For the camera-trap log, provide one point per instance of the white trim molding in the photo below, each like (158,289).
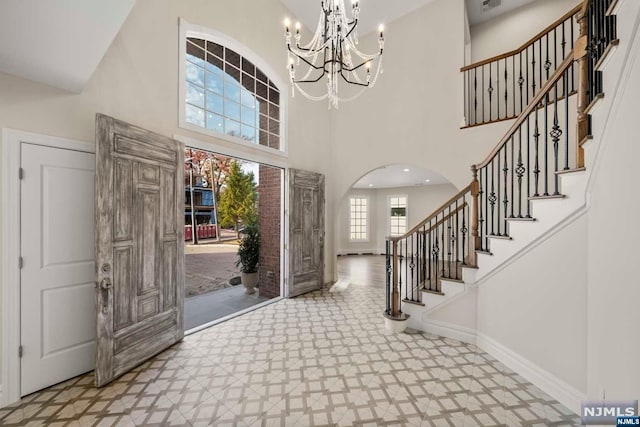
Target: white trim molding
(11,160)
(566,394)
(450,330)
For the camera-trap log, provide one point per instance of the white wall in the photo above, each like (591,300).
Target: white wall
(614,231)
(509,31)
(537,305)
(421,201)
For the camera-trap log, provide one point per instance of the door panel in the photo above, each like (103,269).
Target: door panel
(139,249)
(56,282)
(306,232)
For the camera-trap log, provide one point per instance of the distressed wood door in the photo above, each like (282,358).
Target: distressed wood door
(139,246)
(306,232)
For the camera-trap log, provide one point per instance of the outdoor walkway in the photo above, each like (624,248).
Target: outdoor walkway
(206,308)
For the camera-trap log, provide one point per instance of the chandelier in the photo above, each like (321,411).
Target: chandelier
(333,52)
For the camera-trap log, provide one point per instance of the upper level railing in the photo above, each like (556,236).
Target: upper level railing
(499,88)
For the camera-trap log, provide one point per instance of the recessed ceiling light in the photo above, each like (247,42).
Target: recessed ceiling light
(370,185)
(405,170)
(427,180)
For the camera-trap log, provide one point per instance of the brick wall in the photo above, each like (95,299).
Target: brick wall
(269,209)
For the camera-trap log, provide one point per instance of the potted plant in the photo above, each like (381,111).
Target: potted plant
(249,258)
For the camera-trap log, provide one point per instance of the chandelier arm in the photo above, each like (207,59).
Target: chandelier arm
(309,80)
(309,63)
(353,82)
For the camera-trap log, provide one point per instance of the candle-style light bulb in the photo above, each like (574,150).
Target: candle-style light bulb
(298,26)
(381,30)
(286,24)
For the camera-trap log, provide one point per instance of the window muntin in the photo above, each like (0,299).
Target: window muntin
(228,94)
(358,215)
(397,215)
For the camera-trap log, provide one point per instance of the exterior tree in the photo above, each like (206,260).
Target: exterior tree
(238,201)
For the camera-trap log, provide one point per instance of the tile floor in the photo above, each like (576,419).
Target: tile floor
(317,360)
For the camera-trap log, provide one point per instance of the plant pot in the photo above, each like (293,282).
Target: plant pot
(249,280)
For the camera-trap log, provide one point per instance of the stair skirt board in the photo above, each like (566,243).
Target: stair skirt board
(558,389)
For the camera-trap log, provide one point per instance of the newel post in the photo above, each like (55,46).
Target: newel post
(580,56)
(475,192)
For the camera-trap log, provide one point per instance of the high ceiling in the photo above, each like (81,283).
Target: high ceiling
(376,12)
(394,176)
(61,42)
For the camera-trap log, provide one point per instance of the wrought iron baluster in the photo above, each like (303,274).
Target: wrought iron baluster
(566,120)
(527,79)
(449,240)
(483,108)
(528,169)
(464,230)
(513,84)
(388,278)
(400,266)
(492,200)
(505,200)
(430,256)
(506,101)
(556,133)
(546,145)
(490,90)
(475,94)
(512,176)
(533,70)
(498,171)
(412,268)
(536,167)
(480,211)
(520,171)
(443,242)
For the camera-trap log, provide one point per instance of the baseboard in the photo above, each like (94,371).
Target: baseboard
(550,384)
(449,330)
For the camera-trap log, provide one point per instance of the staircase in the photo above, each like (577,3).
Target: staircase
(532,184)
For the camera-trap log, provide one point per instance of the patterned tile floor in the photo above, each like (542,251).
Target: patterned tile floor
(317,360)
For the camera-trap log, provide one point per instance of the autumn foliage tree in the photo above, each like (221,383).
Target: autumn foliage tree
(238,201)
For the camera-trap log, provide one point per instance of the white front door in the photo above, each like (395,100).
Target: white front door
(57,277)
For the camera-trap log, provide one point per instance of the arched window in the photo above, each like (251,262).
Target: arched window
(227,94)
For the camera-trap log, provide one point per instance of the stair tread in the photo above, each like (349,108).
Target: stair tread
(408,301)
(585,140)
(484,252)
(515,218)
(432,292)
(567,171)
(606,53)
(495,236)
(548,196)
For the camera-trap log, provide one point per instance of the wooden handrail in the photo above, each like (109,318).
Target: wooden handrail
(528,43)
(441,221)
(544,91)
(433,215)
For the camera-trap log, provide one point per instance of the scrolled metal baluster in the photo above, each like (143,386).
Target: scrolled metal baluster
(513,167)
(443,242)
(430,256)
(555,133)
(388,271)
(520,170)
(464,230)
(480,211)
(492,200)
